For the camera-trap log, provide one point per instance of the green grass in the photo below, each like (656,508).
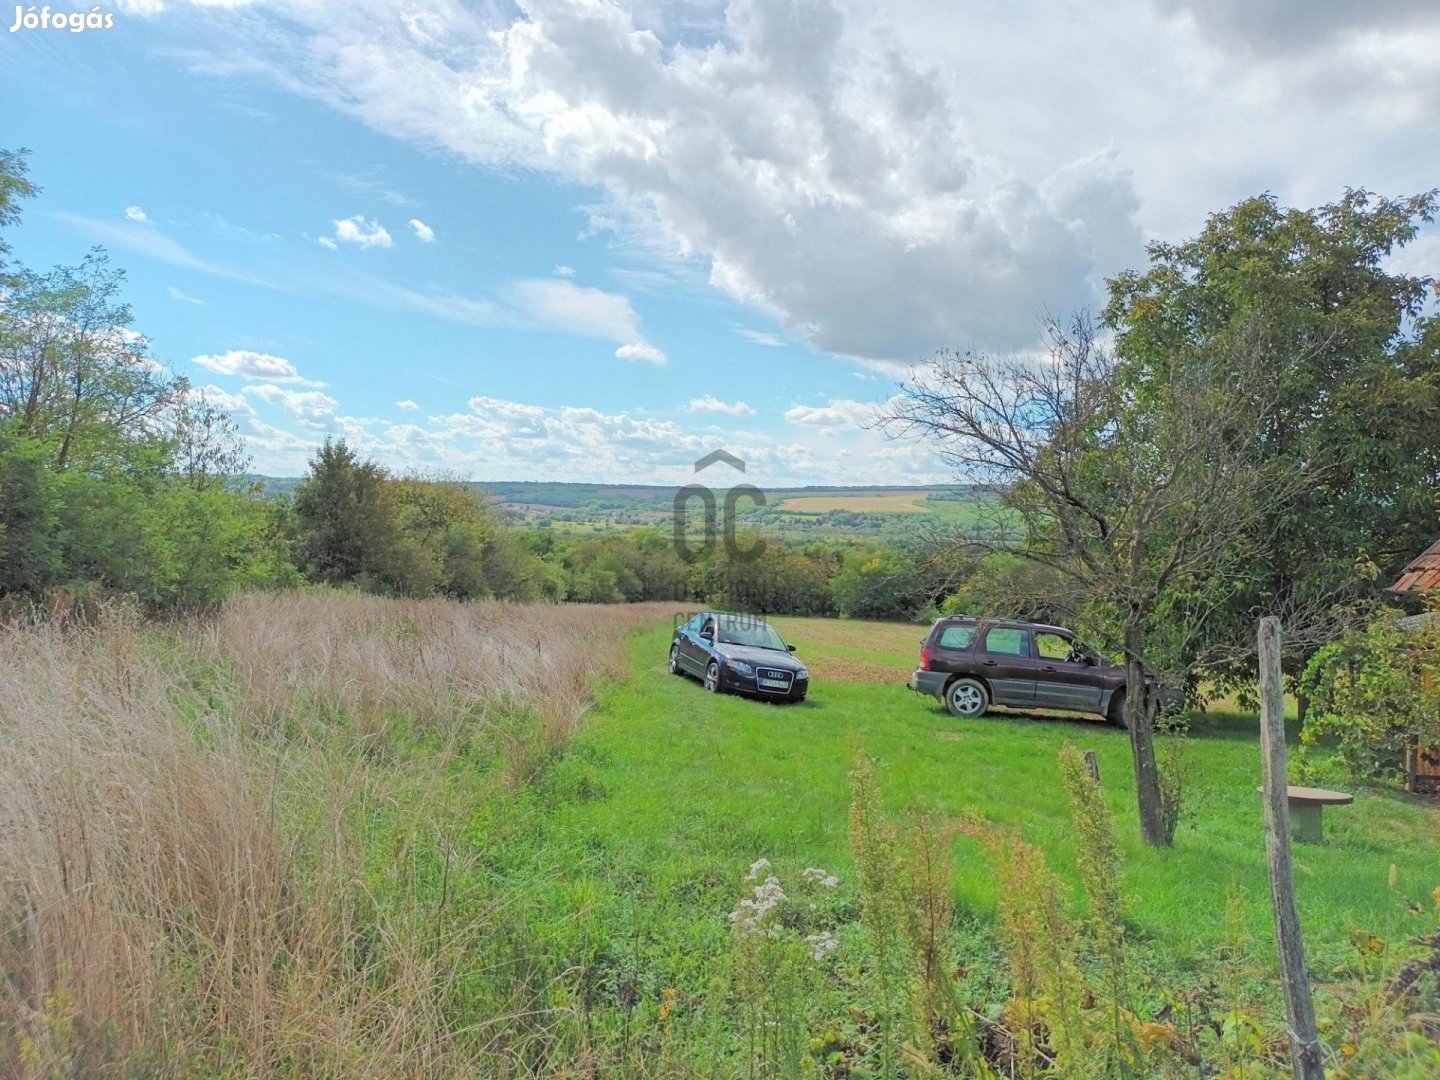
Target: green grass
(668,794)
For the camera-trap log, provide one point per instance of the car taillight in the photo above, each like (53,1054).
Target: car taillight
(925,658)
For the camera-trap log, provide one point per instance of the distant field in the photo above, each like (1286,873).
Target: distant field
(896,502)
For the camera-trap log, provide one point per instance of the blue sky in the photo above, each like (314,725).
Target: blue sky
(584,240)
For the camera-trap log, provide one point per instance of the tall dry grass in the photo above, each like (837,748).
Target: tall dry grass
(185,887)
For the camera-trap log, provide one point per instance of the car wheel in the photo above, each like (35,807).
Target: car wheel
(967,698)
(712,678)
(675,660)
(1116,715)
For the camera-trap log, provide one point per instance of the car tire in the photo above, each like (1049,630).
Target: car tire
(712,678)
(967,698)
(1116,714)
(675,660)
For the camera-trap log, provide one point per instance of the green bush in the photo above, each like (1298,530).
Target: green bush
(1375,692)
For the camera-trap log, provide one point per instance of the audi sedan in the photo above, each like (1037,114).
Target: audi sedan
(738,654)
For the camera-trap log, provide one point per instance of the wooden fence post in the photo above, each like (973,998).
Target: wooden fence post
(1299,1009)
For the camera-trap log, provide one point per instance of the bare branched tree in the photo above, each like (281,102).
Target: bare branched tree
(1132,492)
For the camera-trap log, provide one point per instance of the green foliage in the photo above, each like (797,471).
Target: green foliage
(881,582)
(1351,362)
(1375,692)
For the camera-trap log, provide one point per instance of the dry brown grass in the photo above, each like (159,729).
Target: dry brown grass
(183,881)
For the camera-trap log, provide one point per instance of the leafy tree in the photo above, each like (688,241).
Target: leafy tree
(31,556)
(877,581)
(1128,488)
(74,376)
(14,186)
(1352,370)
(345,514)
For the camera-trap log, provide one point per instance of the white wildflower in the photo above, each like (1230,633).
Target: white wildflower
(820,877)
(751,912)
(820,944)
(758,867)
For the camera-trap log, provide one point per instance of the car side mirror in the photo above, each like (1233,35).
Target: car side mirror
(789,648)
(708,635)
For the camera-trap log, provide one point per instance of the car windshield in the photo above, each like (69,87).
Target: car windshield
(740,631)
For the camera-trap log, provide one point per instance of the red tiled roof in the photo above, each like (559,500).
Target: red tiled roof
(1423,574)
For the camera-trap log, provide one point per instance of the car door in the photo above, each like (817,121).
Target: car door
(1007,665)
(1062,679)
(690,644)
(700,646)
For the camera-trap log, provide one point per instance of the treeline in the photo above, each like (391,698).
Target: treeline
(350,522)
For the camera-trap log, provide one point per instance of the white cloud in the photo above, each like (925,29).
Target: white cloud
(498,439)
(564,271)
(309,408)
(423,231)
(134,213)
(883,179)
(406,404)
(361,232)
(260,367)
(183,297)
(760,337)
(640,350)
(146,240)
(325,241)
(712,404)
(559,304)
(839,412)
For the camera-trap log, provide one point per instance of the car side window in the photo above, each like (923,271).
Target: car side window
(1055,647)
(1007,641)
(956,637)
(694,624)
(708,626)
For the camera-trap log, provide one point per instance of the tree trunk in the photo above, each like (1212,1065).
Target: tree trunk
(1139,718)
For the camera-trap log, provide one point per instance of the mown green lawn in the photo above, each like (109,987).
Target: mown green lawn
(668,794)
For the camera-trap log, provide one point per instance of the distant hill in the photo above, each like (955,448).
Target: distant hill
(889,510)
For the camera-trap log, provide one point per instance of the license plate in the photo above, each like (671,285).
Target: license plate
(776,684)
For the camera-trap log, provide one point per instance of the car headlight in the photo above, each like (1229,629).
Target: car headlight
(803,673)
(740,667)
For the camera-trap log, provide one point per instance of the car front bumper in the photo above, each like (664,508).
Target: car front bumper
(931,683)
(736,683)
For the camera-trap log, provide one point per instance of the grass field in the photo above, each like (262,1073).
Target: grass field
(698,787)
(895,502)
(330,835)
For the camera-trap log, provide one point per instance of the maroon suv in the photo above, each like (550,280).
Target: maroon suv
(972,663)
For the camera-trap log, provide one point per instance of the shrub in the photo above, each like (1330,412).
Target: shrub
(1375,692)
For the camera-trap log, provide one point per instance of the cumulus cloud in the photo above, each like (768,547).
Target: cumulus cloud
(134,213)
(564,271)
(876,178)
(821,174)
(712,404)
(423,231)
(309,408)
(359,231)
(839,412)
(406,404)
(256,366)
(640,350)
(497,439)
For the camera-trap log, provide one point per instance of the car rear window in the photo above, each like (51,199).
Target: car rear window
(1007,641)
(956,637)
